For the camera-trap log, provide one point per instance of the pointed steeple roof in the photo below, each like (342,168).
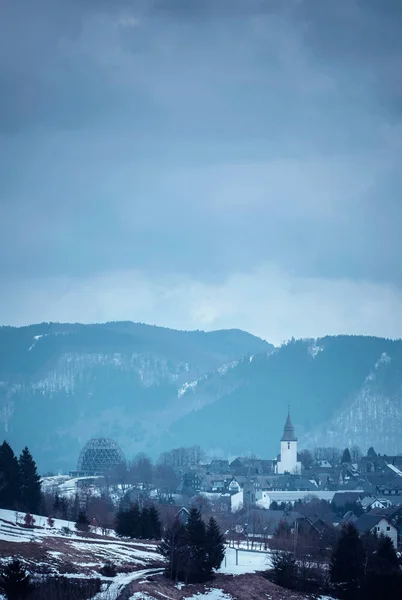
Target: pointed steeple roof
(289,431)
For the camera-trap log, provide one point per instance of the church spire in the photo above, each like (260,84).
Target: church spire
(289,431)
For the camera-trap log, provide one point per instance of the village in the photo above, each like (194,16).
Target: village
(249,496)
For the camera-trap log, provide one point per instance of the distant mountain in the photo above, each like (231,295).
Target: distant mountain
(342,391)
(61,384)
(152,389)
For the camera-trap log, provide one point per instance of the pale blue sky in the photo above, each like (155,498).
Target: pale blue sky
(202,164)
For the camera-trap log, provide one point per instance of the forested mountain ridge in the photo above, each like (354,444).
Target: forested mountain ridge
(342,390)
(152,389)
(62,383)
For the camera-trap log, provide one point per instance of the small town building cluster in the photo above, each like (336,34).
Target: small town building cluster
(366,491)
(373,485)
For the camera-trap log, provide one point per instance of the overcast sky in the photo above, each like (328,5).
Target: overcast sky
(202,164)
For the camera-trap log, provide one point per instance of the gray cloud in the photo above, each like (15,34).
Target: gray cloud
(201,141)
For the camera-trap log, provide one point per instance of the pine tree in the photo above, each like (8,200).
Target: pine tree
(15,581)
(128,522)
(155,523)
(9,478)
(56,504)
(174,547)
(215,545)
(383,578)
(64,508)
(284,569)
(197,566)
(145,524)
(347,563)
(346,457)
(371,453)
(30,483)
(134,521)
(387,557)
(82,523)
(121,523)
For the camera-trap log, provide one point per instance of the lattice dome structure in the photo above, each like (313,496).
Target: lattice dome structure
(98,456)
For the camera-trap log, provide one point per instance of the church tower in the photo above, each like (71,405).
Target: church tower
(288,461)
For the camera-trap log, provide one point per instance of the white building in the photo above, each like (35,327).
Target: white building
(288,462)
(377,524)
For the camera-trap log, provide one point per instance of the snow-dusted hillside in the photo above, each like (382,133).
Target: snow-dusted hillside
(342,391)
(60,551)
(61,384)
(152,389)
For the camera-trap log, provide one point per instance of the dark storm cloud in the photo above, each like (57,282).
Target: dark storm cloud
(200,138)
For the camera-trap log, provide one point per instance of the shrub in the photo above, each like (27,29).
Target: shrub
(284,569)
(65,589)
(108,570)
(15,581)
(29,520)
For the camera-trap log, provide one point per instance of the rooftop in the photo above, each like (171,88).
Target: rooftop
(289,431)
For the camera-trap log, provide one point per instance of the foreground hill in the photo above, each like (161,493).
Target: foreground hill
(63,383)
(61,552)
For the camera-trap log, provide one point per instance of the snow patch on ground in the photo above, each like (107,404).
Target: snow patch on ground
(123,580)
(36,338)
(248,562)
(187,386)
(225,368)
(314,349)
(211,594)
(384,359)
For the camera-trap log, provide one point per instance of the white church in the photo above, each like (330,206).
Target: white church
(287,462)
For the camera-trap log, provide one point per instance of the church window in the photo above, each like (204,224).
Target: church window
(288,446)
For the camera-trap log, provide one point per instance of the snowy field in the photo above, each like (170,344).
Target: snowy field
(50,551)
(248,562)
(62,550)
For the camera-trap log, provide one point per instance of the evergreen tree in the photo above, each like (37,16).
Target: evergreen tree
(9,478)
(386,554)
(64,508)
(197,565)
(383,578)
(56,504)
(284,569)
(347,563)
(215,545)
(30,483)
(174,547)
(155,523)
(15,581)
(192,550)
(82,523)
(121,523)
(145,524)
(128,521)
(346,457)
(371,453)
(134,521)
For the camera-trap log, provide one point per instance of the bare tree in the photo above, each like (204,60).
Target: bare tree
(182,457)
(141,470)
(355,453)
(165,478)
(202,504)
(306,459)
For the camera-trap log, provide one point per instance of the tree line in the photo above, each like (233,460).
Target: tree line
(20,484)
(360,568)
(192,549)
(138,522)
